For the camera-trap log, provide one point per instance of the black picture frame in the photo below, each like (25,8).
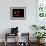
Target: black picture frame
(18,13)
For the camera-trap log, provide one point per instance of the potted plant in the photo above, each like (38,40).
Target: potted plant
(39,35)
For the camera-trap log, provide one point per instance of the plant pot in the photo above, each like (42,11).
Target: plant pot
(40,41)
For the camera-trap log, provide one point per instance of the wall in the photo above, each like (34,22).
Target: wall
(24,25)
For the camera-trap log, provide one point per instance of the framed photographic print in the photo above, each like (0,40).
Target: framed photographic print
(17,13)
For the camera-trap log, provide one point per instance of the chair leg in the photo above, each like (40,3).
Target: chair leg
(5,43)
(5,40)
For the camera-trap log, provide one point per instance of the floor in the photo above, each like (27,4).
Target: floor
(13,44)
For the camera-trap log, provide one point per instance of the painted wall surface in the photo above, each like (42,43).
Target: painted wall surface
(24,25)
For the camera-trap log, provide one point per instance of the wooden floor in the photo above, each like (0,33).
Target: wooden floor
(13,44)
